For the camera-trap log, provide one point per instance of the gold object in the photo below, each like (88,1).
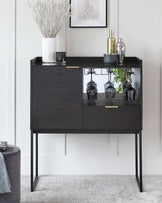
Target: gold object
(111,43)
(111,107)
(72,67)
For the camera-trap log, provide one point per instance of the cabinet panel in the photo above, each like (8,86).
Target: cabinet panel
(123,118)
(56,98)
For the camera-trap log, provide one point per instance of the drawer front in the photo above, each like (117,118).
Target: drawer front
(56,99)
(122,118)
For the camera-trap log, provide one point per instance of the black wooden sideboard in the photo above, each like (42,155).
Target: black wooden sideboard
(59,103)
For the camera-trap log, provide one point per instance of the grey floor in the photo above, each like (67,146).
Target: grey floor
(92,189)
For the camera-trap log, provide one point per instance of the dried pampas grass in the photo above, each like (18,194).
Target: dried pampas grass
(50,15)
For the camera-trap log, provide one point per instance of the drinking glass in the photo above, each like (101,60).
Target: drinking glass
(92,87)
(109,86)
(129,90)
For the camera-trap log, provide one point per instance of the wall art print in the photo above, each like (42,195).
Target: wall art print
(88,14)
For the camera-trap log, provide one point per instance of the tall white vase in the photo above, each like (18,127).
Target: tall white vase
(49,50)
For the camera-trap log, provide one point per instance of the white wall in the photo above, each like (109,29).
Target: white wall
(7,70)
(3,67)
(140,26)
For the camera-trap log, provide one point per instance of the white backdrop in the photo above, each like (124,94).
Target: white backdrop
(140,26)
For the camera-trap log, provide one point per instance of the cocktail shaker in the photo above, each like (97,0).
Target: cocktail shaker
(121,49)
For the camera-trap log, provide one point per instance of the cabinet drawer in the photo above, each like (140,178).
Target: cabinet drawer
(122,118)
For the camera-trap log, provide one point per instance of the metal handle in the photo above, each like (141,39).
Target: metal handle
(72,67)
(111,107)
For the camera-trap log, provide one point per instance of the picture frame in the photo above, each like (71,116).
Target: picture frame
(88,14)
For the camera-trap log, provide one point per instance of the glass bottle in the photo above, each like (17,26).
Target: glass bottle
(111,43)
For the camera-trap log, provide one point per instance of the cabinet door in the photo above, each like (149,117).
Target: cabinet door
(56,98)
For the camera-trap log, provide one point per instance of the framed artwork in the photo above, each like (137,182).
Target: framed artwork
(88,14)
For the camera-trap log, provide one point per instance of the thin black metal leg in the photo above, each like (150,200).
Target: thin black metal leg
(34,180)
(138,161)
(136,155)
(31,183)
(36,154)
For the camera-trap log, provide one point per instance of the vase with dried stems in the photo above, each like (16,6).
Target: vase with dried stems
(50,16)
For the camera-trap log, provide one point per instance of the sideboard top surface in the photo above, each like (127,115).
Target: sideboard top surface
(94,62)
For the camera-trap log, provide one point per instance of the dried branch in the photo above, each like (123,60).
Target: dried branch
(50,15)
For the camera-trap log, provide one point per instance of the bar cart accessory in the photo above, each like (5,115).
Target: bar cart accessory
(121,49)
